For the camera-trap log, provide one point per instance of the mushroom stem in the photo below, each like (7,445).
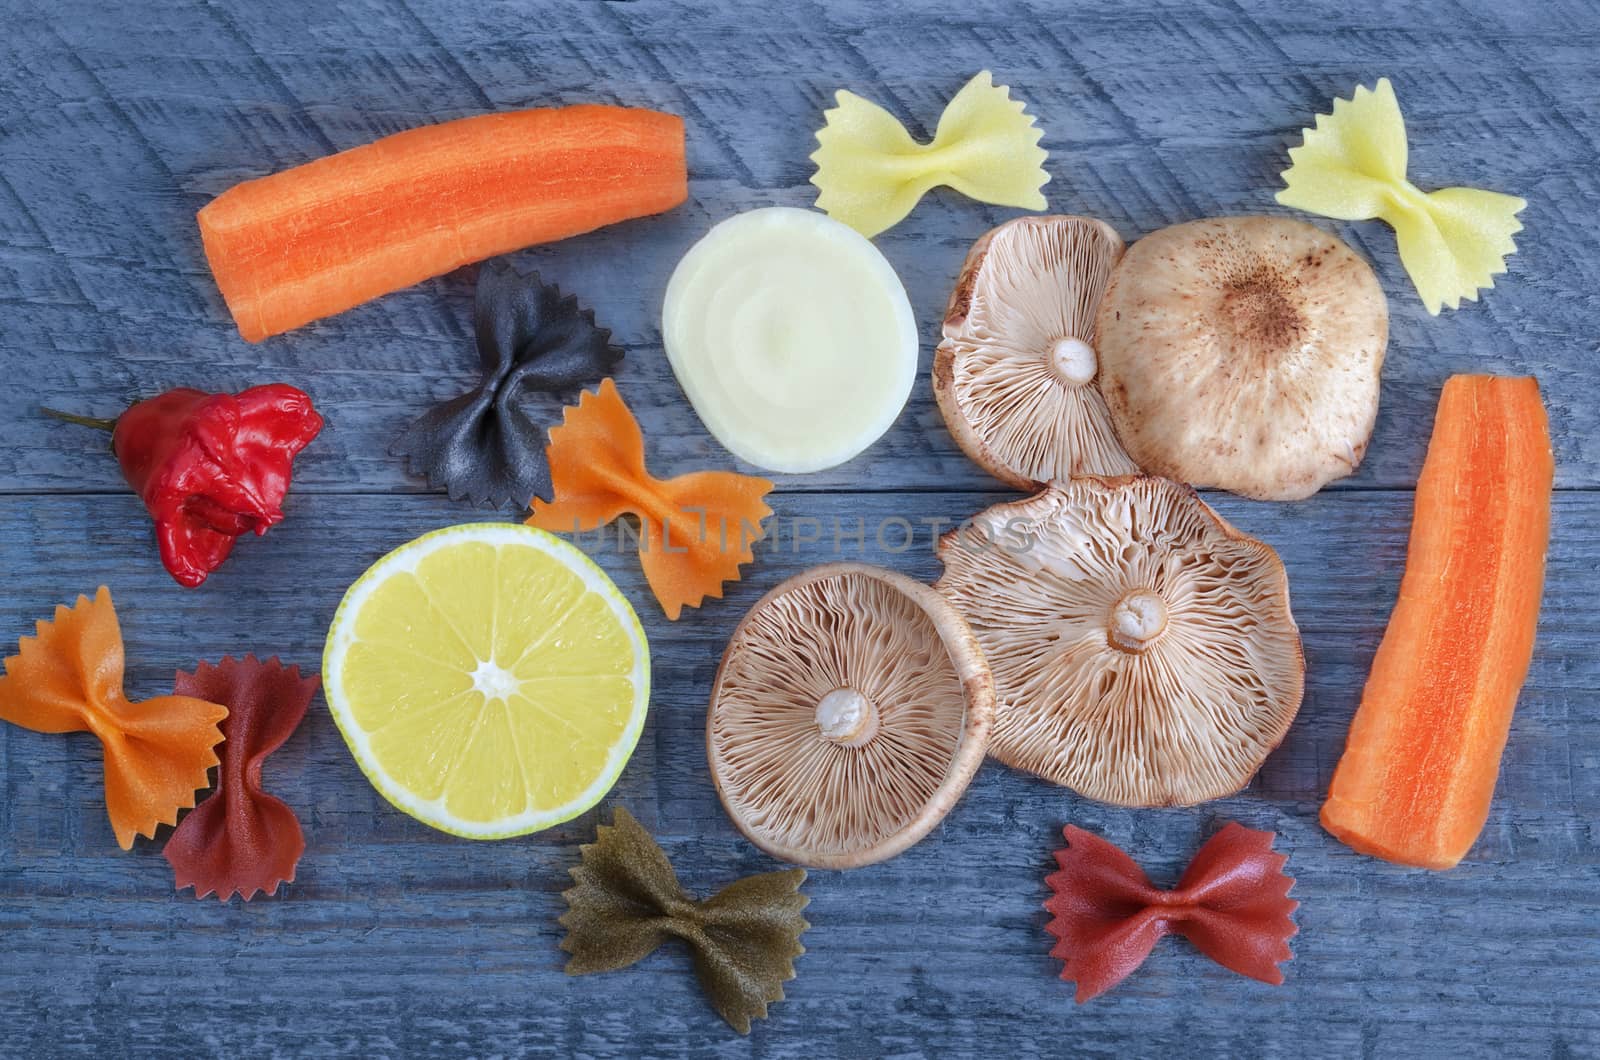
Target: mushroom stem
(1074,360)
(1136,620)
(847,717)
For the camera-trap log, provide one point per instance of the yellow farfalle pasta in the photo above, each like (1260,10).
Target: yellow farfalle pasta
(1352,167)
(870,172)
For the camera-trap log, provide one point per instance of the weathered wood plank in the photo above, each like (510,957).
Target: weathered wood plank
(1153,117)
(397,938)
(120,121)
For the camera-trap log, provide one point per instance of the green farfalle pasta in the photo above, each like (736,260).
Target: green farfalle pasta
(628,902)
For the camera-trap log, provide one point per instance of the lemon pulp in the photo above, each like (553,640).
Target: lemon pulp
(489,679)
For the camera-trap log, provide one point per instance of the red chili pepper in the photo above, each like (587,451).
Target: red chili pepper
(210,467)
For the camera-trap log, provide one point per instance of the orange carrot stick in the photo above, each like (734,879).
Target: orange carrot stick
(318,239)
(1419,768)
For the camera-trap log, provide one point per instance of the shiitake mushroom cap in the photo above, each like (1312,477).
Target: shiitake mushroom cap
(1243,353)
(1143,650)
(1015,373)
(839,781)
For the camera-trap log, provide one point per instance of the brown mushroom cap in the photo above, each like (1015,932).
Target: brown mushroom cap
(1244,353)
(1015,374)
(1143,650)
(851,709)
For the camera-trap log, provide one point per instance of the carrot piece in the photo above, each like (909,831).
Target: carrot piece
(698,528)
(1419,767)
(68,678)
(318,239)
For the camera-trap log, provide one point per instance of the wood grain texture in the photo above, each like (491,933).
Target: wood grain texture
(1153,117)
(940,948)
(118,121)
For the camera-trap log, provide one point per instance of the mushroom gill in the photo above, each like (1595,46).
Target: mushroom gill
(1015,374)
(1244,353)
(1143,651)
(851,708)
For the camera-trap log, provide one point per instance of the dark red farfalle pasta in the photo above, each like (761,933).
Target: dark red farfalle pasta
(1232,903)
(240,840)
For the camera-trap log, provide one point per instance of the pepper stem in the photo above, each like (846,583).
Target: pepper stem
(82,421)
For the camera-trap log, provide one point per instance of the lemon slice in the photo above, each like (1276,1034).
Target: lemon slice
(489,679)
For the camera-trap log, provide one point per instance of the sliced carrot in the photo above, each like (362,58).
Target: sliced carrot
(68,678)
(321,238)
(697,528)
(1419,768)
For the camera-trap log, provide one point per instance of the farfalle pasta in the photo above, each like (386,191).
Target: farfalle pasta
(697,529)
(1233,903)
(870,172)
(240,840)
(68,678)
(1352,166)
(483,446)
(627,902)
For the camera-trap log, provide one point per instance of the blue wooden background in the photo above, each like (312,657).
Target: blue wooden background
(118,119)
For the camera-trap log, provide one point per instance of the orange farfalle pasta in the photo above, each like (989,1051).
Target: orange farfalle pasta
(697,528)
(68,678)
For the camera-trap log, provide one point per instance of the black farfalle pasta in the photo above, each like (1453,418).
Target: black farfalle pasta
(483,446)
(627,902)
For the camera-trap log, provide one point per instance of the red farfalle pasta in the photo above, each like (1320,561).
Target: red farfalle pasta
(241,840)
(1232,903)
(68,678)
(697,528)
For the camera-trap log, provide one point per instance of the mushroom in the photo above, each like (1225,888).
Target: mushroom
(1015,374)
(851,708)
(1142,649)
(1244,353)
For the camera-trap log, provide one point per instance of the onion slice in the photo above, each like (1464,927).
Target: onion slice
(792,337)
